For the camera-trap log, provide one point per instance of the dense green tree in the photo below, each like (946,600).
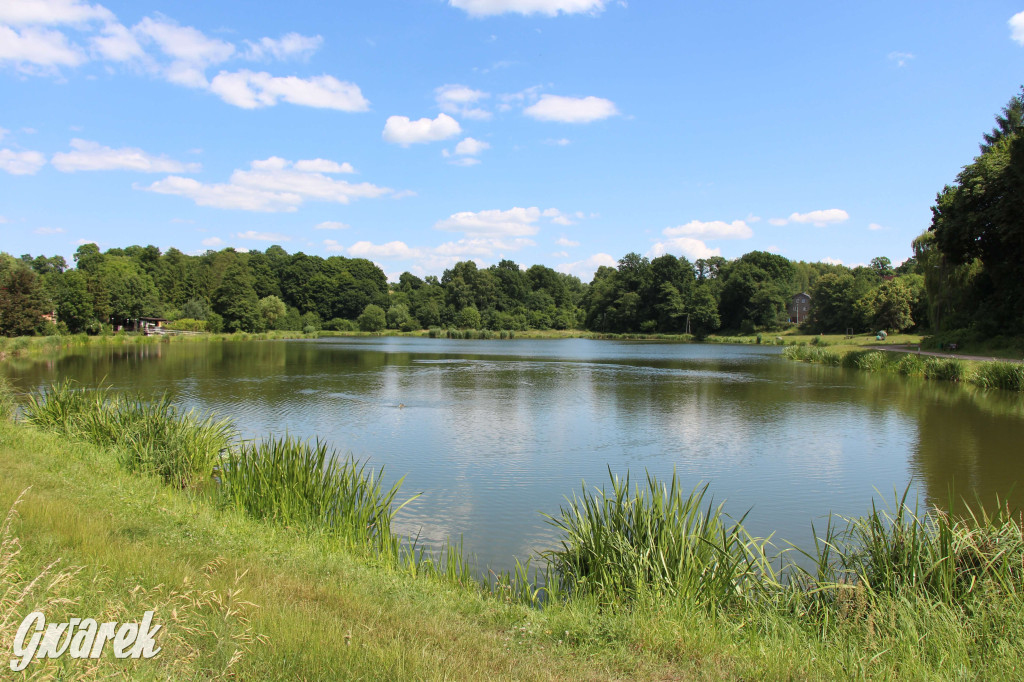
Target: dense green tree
(72,301)
(372,319)
(468,318)
(981,218)
(21,302)
(271,309)
(832,304)
(235,299)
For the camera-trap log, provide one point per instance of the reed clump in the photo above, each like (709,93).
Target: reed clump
(967,561)
(624,542)
(182,447)
(294,482)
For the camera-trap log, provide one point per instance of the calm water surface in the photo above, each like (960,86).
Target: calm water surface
(493,432)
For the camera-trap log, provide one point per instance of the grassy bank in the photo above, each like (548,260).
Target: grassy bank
(985,374)
(285,567)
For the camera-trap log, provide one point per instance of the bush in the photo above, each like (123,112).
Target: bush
(187,324)
(372,319)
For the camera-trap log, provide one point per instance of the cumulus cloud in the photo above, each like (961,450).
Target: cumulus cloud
(184,44)
(289,46)
(823,218)
(251,90)
(515,222)
(117,44)
(330,225)
(21,163)
(485,8)
(21,12)
(1017,27)
(333,246)
(832,261)
(91,156)
(212,242)
(562,241)
(461,100)
(686,246)
(716,229)
(585,269)
(571,109)
(395,250)
(39,47)
(876,226)
(324,166)
(270,185)
(401,130)
(471,147)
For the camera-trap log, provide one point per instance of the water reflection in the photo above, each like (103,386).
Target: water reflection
(494,431)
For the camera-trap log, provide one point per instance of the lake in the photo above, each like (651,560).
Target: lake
(494,432)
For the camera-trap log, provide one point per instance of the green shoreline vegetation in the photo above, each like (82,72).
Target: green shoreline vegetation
(275,559)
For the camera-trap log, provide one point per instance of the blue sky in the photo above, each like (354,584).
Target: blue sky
(417,133)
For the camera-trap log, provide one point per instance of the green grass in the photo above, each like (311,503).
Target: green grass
(985,374)
(654,582)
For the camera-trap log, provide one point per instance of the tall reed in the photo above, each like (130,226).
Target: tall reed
(625,542)
(294,482)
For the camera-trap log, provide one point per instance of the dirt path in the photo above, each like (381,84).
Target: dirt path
(958,356)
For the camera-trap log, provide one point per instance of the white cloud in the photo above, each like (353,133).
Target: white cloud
(751,218)
(832,261)
(117,44)
(561,142)
(585,269)
(401,130)
(289,46)
(184,43)
(395,249)
(40,47)
(226,196)
(901,58)
(212,242)
(823,218)
(716,229)
(330,225)
(773,249)
(464,161)
(263,236)
(19,12)
(333,246)
(686,246)
(515,222)
(91,156)
(21,163)
(49,230)
(462,101)
(820,218)
(571,109)
(471,147)
(484,8)
(480,246)
(876,226)
(323,166)
(250,90)
(562,241)
(1017,27)
(271,185)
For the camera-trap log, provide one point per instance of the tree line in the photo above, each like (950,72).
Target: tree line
(258,291)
